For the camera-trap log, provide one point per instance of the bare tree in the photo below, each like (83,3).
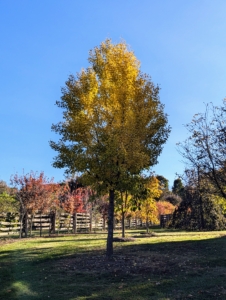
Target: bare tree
(205,149)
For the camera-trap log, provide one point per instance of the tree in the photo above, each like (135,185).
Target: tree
(178,187)
(148,207)
(164,183)
(175,200)
(168,196)
(8,204)
(195,215)
(71,200)
(205,151)
(122,207)
(34,192)
(114,125)
(102,204)
(130,190)
(205,155)
(199,209)
(165,207)
(3,187)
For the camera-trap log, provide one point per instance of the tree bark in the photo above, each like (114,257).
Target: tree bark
(53,222)
(123,213)
(202,223)
(110,224)
(200,202)
(104,221)
(68,222)
(21,225)
(147,226)
(123,223)
(130,222)
(40,225)
(91,220)
(75,223)
(31,221)
(25,224)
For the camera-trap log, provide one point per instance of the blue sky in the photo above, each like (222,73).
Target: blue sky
(181,44)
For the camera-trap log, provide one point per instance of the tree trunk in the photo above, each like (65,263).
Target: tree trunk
(91,220)
(22,213)
(86,225)
(200,202)
(123,214)
(58,228)
(50,222)
(147,226)
(114,223)
(68,222)
(40,225)
(21,225)
(25,224)
(31,220)
(110,224)
(104,221)
(53,222)
(202,223)
(75,223)
(123,223)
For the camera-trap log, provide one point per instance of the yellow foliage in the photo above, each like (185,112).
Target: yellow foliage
(221,201)
(112,117)
(148,210)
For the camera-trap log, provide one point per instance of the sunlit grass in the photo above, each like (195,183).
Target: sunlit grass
(22,289)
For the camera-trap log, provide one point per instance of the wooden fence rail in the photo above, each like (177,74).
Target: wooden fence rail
(9,224)
(61,222)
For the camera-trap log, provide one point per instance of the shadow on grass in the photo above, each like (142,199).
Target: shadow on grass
(165,270)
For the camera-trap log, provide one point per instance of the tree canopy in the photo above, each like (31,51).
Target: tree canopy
(114,125)
(178,187)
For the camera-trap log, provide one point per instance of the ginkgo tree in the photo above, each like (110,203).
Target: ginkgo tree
(122,207)
(113,122)
(148,208)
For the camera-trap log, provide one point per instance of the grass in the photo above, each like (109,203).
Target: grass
(165,266)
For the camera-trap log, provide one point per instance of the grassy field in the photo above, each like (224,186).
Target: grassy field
(167,265)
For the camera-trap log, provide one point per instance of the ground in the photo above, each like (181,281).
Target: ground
(165,265)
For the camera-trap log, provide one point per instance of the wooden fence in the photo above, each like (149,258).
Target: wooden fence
(61,223)
(9,224)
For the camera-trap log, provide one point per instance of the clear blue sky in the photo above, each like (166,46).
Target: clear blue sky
(181,44)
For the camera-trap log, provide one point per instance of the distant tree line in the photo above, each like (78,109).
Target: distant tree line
(145,200)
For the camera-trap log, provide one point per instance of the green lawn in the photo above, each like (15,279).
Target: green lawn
(169,265)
